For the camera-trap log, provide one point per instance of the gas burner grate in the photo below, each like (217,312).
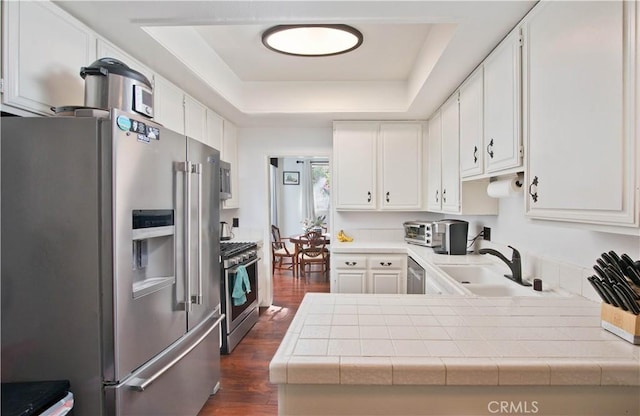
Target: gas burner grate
(228,248)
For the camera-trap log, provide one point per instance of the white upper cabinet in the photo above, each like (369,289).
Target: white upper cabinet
(580,100)
(490,113)
(471,126)
(445,192)
(215,130)
(44,50)
(354,150)
(502,110)
(434,163)
(450,177)
(401,158)
(195,119)
(168,105)
(229,154)
(378,165)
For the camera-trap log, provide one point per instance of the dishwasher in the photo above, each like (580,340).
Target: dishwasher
(415,278)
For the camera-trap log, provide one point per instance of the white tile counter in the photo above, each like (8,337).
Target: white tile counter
(476,347)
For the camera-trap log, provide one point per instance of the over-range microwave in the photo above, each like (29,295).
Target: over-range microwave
(225,180)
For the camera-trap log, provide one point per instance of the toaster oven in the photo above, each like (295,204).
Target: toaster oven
(421,233)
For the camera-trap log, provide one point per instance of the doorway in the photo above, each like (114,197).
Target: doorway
(299,193)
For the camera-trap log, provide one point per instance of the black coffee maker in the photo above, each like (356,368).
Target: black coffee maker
(454,236)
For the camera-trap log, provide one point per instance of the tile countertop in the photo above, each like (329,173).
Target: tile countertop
(353,339)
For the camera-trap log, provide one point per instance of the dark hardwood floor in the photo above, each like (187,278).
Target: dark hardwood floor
(245,389)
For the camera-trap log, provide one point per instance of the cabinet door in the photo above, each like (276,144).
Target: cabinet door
(168,105)
(351,281)
(354,147)
(387,273)
(450,156)
(195,119)
(502,138)
(434,158)
(230,154)
(471,126)
(384,281)
(45,49)
(215,130)
(581,120)
(401,158)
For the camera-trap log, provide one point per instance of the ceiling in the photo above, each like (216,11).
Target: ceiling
(413,57)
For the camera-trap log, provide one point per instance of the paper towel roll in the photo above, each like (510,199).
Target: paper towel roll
(504,188)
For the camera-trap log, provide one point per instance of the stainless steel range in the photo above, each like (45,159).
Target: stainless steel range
(239,299)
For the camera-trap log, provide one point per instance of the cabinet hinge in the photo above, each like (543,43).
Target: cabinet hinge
(520,40)
(1,86)
(521,151)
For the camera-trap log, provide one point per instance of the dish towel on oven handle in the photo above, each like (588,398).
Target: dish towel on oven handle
(241,286)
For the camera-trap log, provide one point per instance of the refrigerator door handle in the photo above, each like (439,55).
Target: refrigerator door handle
(197,169)
(140,384)
(186,168)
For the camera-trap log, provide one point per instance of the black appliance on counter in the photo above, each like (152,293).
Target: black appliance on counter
(454,236)
(240,316)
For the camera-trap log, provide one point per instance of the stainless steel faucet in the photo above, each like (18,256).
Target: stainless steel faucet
(515,264)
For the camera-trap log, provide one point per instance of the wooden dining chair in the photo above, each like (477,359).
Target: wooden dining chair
(314,251)
(281,257)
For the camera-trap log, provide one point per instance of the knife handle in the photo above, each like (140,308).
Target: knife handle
(630,304)
(598,289)
(633,275)
(613,297)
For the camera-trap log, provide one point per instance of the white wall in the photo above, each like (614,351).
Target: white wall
(255,145)
(549,239)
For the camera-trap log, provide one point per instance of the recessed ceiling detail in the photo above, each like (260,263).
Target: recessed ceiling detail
(312,40)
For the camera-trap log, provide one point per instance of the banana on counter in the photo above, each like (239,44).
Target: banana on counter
(343,238)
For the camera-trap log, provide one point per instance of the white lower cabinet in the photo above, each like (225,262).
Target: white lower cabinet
(368,273)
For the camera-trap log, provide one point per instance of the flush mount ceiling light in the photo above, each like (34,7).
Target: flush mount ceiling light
(312,40)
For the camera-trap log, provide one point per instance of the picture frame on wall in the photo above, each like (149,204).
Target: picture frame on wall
(290,178)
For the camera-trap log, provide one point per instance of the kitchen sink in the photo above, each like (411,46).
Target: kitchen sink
(484,280)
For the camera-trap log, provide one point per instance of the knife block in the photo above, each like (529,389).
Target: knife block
(623,324)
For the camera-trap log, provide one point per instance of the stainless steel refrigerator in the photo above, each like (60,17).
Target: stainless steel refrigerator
(110,262)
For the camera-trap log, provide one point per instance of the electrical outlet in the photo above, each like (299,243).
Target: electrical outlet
(486,233)
(236,223)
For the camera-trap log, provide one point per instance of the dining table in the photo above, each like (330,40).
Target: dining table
(298,241)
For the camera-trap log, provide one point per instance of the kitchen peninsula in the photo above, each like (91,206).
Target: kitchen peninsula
(347,354)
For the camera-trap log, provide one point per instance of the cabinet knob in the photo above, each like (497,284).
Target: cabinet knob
(533,189)
(385,264)
(369,196)
(387,196)
(490,149)
(444,195)
(350,263)
(475,154)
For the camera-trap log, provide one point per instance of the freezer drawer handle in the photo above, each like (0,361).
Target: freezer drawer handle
(141,384)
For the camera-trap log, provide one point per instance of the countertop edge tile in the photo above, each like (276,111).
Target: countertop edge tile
(619,373)
(313,370)
(366,370)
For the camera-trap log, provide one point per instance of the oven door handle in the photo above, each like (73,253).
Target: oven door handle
(257,259)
